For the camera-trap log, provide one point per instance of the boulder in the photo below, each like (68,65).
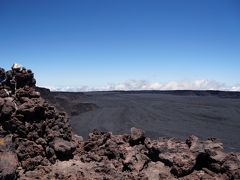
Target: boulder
(64,149)
(7,108)
(137,136)
(157,170)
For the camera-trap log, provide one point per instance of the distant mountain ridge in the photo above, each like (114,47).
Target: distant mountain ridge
(219,93)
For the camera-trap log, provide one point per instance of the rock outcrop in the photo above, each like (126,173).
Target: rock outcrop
(108,156)
(36,142)
(30,129)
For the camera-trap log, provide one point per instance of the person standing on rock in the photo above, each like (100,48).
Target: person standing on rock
(16,70)
(17,67)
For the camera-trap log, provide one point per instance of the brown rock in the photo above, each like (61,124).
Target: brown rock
(195,145)
(6,144)
(7,109)
(232,166)
(183,164)
(157,171)
(137,136)
(4,93)
(133,159)
(64,149)
(8,165)
(28,149)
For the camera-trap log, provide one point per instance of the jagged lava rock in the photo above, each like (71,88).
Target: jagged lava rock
(39,132)
(137,136)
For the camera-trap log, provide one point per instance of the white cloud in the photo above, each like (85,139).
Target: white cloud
(235,88)
(147,85)
(71,89)
(172,85)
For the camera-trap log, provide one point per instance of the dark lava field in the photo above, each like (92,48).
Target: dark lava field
(178,114)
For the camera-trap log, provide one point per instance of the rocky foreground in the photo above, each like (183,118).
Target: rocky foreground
(36,142)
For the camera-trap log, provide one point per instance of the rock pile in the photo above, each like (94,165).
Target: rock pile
(32,132)
(108,156)
(36,141)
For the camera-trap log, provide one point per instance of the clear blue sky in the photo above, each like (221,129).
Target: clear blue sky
(96,42)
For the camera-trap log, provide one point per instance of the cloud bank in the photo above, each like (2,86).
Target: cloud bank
(147,85)
(236,88)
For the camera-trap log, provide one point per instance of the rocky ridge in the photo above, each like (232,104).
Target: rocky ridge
(32,132)
(36,142)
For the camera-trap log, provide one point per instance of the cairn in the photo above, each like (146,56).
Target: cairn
(32,132)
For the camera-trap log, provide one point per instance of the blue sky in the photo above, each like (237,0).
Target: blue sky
(110,44)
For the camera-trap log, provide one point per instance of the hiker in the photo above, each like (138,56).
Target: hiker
(17,67)
(17,70)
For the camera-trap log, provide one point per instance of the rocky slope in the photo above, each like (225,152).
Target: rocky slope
(36,142)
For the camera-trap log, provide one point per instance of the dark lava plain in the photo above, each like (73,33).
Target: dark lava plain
(177,114)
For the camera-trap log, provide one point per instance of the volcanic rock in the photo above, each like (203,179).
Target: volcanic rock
(64,149)
(35,126)
(8,165)
(137,136)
